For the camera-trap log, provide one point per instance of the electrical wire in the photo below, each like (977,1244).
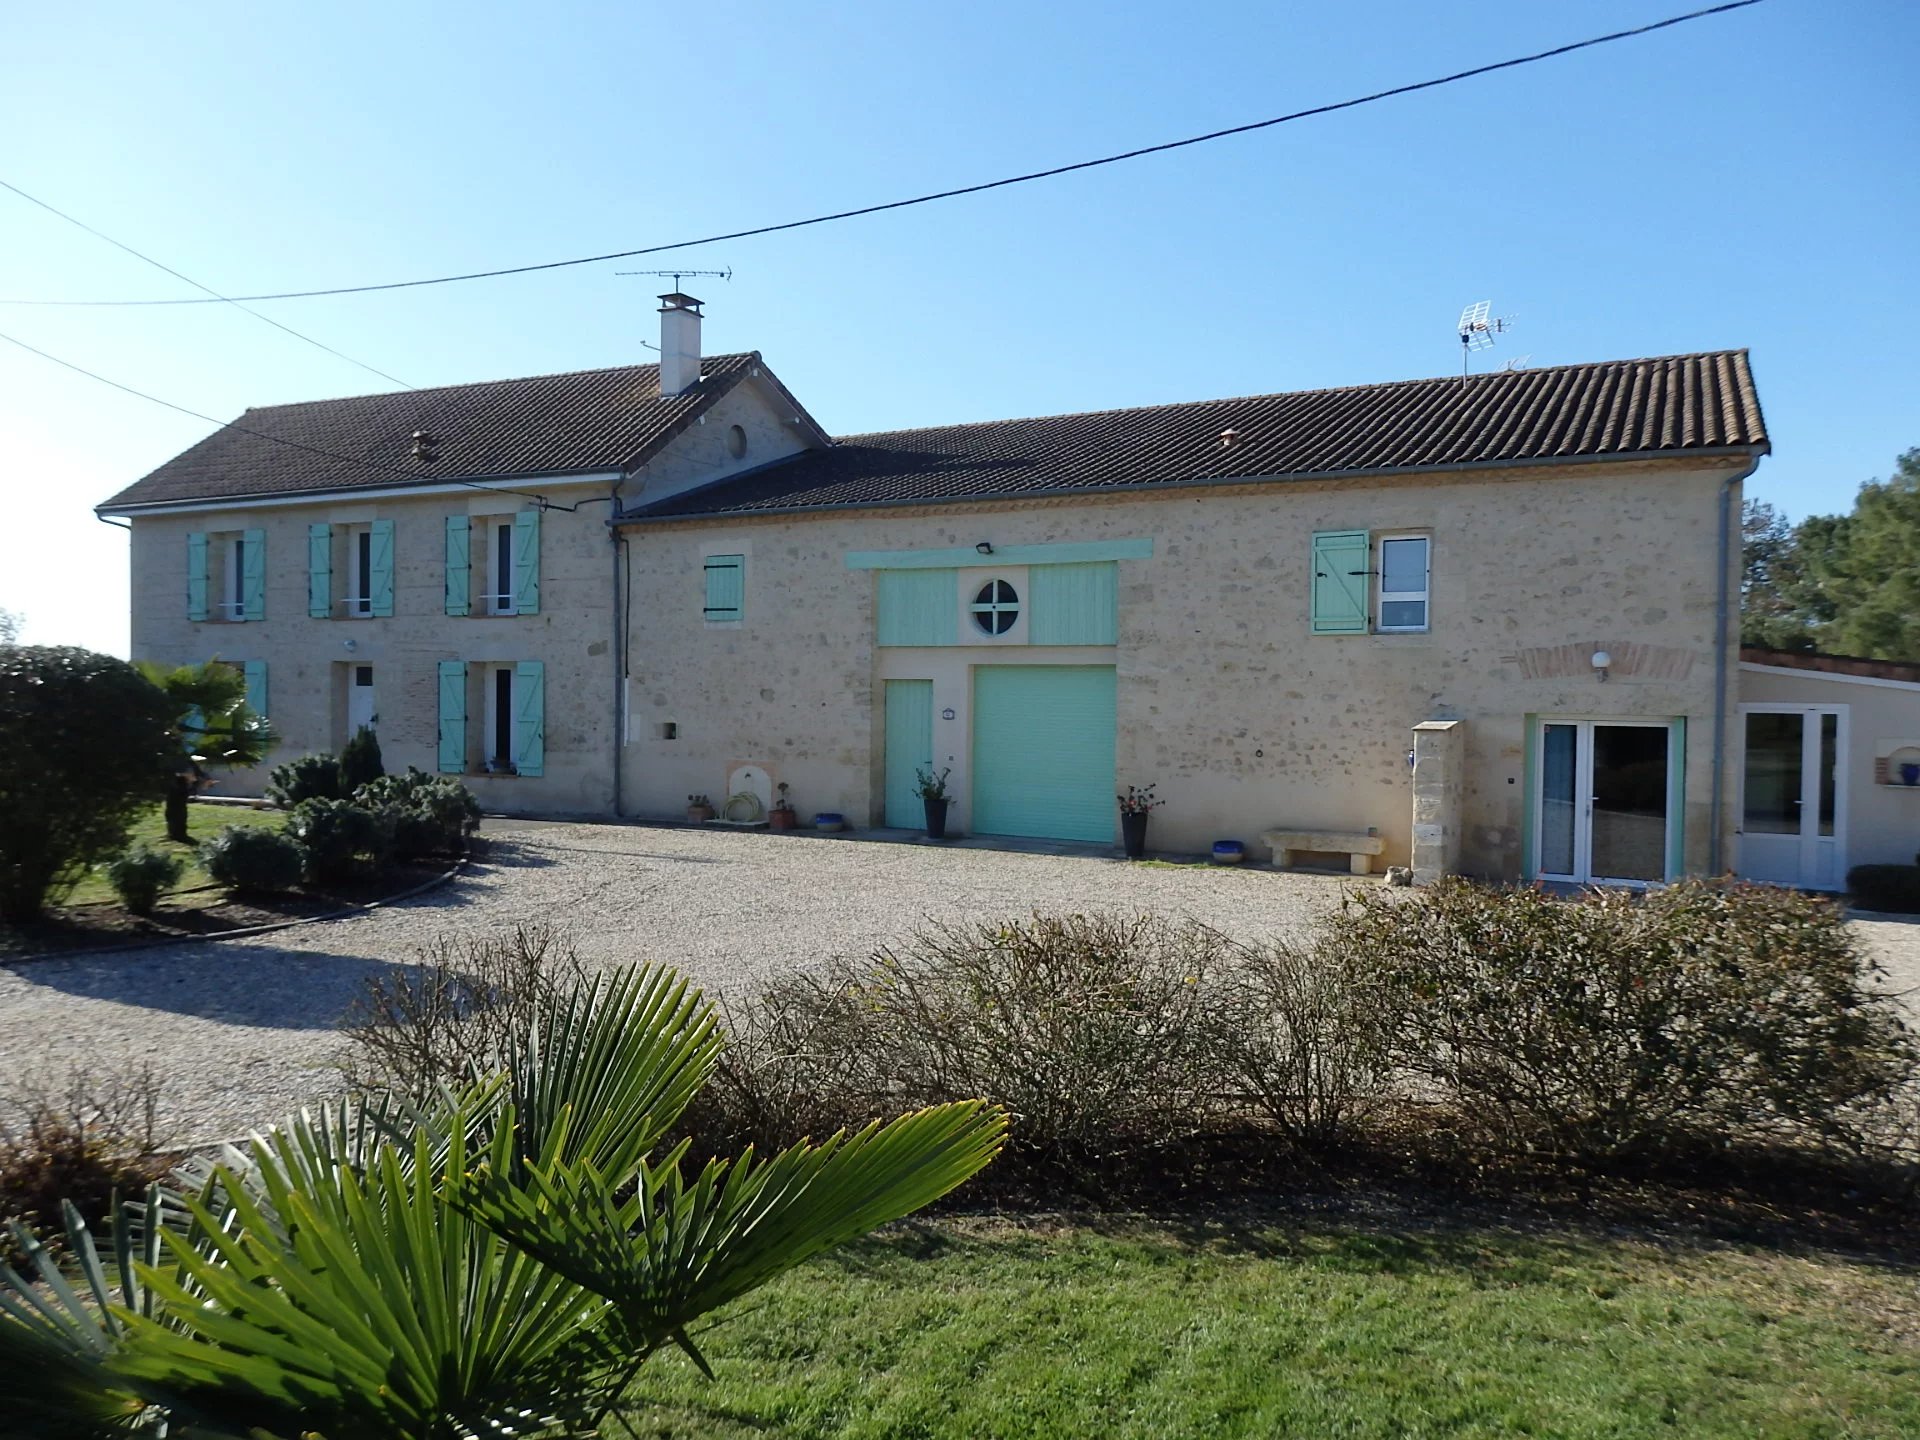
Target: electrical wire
(1115,159)
(371,465)
(225,299)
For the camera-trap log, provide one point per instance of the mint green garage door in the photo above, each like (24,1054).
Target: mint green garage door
(1043,751)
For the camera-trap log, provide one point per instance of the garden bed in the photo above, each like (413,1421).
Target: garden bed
(206,913)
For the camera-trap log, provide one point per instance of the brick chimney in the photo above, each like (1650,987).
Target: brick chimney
(679,343)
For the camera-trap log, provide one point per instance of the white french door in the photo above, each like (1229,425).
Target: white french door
(1793,795)
(1605,796)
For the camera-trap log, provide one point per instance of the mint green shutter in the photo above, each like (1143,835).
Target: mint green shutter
(1074,604)
(256,671)
(726,587)
(1340,581)
(1043,751)
(459,564)
(530,717)
(1677,807)
(917,607)
(909,740)
(319,571)
(197,575)
(253,564)
(380,567)
(526,562)
(453,716)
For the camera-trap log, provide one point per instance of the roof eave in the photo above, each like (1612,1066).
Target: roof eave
(1717,452)
(426,484)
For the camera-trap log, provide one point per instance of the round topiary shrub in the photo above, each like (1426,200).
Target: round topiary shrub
(432,814)
(310,777)
(141,874)
(335,835)
(250,858)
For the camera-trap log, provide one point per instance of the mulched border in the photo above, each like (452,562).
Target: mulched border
(186,937)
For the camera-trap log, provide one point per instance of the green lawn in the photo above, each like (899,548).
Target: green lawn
(203,821)
(970,1329)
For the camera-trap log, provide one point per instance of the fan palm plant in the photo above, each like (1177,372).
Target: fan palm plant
(216,727)
(498,1262)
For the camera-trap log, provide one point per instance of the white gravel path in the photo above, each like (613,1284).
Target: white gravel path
(244,1030)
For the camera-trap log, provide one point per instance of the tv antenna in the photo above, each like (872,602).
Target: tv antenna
(1518,362)
(1478,327)
(679,275)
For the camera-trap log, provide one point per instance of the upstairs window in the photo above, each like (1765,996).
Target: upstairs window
(1403,583)
(995,608)
(726,589)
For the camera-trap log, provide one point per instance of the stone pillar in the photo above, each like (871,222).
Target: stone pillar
(1439,760)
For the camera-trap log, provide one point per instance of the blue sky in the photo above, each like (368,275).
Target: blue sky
(1747,180)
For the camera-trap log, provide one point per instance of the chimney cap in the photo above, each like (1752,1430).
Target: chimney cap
(674,300)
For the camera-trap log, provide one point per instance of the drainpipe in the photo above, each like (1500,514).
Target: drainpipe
(1722,664)
(618,645)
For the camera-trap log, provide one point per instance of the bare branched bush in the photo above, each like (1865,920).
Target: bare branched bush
(435,1023)
(1308,1034)
(80,1139)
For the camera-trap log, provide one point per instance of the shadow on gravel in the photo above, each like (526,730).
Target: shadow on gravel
(233,983)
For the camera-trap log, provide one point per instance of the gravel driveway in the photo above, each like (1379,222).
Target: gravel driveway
(244,1030)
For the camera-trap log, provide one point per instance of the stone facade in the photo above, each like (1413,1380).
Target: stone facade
(1244,719)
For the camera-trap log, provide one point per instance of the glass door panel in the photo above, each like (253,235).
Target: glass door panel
(1559,789)
(1629,802)
(1774,747)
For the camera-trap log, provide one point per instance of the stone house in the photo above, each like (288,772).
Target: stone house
(1490,620)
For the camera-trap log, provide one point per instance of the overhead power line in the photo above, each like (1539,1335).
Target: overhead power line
(373,466)
(224,299)
(1115,159)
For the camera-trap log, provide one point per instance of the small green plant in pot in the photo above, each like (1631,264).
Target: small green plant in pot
(934,796)
(1135,806)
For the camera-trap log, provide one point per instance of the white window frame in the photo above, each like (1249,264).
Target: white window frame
(970,627)
(500,599)
(1382,595)
(357,603)
(494,746)
(233,583)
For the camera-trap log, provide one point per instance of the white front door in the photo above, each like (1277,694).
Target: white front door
(360,707)
(1603,801)
(1792,794)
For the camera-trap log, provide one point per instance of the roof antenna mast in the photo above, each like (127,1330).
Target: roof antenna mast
(679,275)
(1478,327)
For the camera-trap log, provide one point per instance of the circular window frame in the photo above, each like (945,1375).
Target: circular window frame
(996,608)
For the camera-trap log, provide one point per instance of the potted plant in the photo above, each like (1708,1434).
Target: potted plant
(1135,806)
(699,809)
(1910,772)
(783,816)
(934,797)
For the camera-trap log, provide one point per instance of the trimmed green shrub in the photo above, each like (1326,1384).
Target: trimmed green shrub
(337,838)
(310,777)
(1894,889)
(252,859)
(1620,1023)
(431,814)
(360,761)
(141,874)
(86,745)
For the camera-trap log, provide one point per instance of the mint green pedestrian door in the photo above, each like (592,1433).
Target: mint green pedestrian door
(909,743)
(1043,751)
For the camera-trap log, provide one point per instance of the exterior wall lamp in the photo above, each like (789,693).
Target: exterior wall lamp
(984,547)
(1602,662)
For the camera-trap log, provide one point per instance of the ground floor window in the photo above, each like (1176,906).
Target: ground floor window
(1606,802)
(493,717)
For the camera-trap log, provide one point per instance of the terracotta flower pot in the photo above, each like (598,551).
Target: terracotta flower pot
(783,817)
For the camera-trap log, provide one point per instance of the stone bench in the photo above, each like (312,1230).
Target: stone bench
(1358,846)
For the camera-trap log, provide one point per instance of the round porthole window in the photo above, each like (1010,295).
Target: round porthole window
(736,441)
(996,607)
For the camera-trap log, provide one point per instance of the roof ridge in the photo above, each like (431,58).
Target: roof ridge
(483,384)
(1287,394)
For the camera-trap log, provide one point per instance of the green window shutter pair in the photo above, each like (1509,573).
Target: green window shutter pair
(459,564)
(1074,604)
(726,587)
(530,717)
(319,571)
(917,607)
(526,562)
(197,575)
(453,717)
(256,671)
(1341,576)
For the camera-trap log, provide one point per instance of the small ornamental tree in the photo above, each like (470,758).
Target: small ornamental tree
(215,726)
(86,744)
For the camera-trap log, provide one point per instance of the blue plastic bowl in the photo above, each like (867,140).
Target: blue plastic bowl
(1228,852)
(829,820)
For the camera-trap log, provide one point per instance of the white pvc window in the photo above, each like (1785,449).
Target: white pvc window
(1403,583)
(359,596)
(233,603)
(500,597)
